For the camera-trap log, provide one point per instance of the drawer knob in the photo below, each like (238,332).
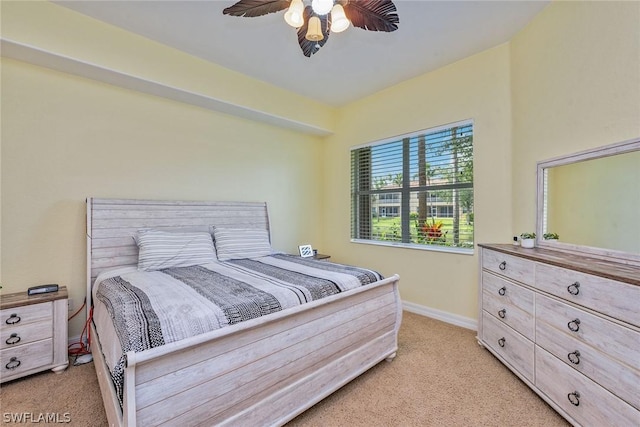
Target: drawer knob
(503,265)
(13,319)
(502,313)
(502,291)
(13,339)
(13,363)
(574,288)
(501,342)
(574,398)
(574,325)
(574,357)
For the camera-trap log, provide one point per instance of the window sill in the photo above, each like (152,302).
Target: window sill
(459,251)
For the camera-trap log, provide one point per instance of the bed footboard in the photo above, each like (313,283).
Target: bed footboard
(262,372)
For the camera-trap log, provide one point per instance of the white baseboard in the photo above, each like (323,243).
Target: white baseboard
(454,319)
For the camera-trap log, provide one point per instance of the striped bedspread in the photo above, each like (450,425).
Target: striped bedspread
(149,309)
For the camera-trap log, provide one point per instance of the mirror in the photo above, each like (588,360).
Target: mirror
(591,200)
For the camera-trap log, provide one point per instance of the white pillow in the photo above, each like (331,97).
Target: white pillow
(239,243)
(162,249)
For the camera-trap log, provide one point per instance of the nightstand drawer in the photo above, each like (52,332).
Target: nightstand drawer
(26,357)
(584,400)
(30,332)
(615,340)
(17,316)
(513,347)
(615,299)
(33,333)
(509,266)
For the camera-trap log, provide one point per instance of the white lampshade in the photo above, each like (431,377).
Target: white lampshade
(321,7)
(339,21)
(294,15)
(314,30)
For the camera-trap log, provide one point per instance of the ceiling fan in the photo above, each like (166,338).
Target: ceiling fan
(316,20)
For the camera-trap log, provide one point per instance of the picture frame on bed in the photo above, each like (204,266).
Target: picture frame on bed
(306,251)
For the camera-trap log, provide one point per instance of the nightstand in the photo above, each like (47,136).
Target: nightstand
(321,257)
(33,333)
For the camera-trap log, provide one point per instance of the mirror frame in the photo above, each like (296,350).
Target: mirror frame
(594,252)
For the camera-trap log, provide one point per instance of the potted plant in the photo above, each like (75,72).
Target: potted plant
(550,236)
(527,240)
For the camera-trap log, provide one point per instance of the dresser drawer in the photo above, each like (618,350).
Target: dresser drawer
(617,341)
(24,334)
(592,405)
(510,303)
(27,357)
(17,316)
(613,375)
(616,299)
(509,266)
(509,344)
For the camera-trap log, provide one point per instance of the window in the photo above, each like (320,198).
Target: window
(415,190)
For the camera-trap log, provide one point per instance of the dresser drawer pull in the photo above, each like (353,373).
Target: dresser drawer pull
(574,325)
(574,357)
(574,398)
(501,342)
(503,265)
(502,291)
(13,319)
(502,313)
(13,363)
(13,339)
(574,289)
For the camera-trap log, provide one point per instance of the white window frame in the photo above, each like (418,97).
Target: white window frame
(408,190)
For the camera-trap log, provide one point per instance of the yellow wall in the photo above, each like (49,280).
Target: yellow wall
(61,31)
(568,82)
(66,138)
(575,73)
(475,88)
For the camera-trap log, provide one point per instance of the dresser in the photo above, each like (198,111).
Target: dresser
(33,333)
(566,325)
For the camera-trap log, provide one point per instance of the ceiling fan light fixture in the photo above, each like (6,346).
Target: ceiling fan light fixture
(312,21)
(314,30)
(294,16)
(339,21)
(321,7)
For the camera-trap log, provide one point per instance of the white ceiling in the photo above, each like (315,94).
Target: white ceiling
(352,64)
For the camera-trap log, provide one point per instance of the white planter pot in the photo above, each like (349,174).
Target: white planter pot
(528,243)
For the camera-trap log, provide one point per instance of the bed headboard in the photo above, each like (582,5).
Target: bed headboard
(112,223)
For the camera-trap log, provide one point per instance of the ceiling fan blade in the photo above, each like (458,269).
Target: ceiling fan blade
(252,8)
(372,15)
(311,47)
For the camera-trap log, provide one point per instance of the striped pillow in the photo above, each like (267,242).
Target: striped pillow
(162,249)
(239,243)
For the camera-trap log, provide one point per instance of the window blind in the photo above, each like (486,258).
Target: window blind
(416,189)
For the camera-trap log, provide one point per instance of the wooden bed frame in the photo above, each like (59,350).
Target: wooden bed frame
(263,371)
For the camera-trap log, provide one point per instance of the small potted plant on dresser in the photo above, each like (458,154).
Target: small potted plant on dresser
(550,236)
(528,240)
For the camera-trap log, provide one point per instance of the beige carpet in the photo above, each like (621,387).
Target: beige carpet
(440,377)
